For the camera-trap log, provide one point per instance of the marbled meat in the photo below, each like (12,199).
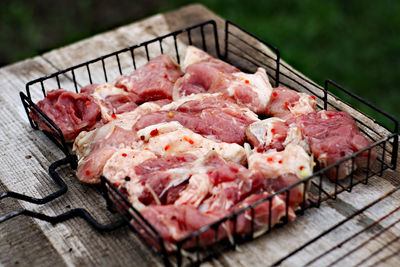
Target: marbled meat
(176,144)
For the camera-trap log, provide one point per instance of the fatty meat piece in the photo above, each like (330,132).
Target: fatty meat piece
(195,55)
(211,115)
(94,148)
(147,178)
(261,214)
(71,112)
(267,134)
(174,223)
(286,103)
(293,159)
(165,139)
(153,81)
(171,138)
(111,100)
(281,169)
(230,189)
(251,90)
(274,133)
(333,135)
(199,102)
(180,179)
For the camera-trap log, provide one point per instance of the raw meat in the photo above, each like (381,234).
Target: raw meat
(333,135)
(165,139)
(223,188)
(71,112)
(194,55)
(112,100)
(151,177)
(148,178)
(153,81)
(267,134)
(261,213)
(172,138)
(274,133)
(199,102)
(251,90)
(293,159)
(182,163)
(286,103)
(176,222)
(211,115)
(281,169)
(94,148)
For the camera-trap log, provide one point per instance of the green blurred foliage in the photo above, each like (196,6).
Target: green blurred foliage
(31,27)
(355,43)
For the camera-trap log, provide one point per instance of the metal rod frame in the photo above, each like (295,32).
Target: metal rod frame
(239,44)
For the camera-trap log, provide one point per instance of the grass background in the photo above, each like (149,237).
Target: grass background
(356,43)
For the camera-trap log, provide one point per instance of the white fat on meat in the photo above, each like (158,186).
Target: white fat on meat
(172,138)
(197,189)
(94,148)
(260,133)
(294,136)
(196,172)
(194,55)
(82,143)
(199,185)
(259,86)
(286,103)
(85,140)
(122,163)
(294,159)
(266,134)
(174,105)
(101,92)
(128,119)
(203,96)
(304,105)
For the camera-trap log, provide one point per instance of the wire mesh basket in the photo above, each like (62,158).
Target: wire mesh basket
(247,52)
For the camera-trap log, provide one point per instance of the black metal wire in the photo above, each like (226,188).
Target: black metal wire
(129,213)
(354,236)
(79,212)
(270,46)
(56,178)
(56,132)
(330,229)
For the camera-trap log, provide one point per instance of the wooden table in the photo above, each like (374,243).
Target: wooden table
(26,155)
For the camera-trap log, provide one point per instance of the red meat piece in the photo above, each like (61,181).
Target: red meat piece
(153,81)
(333,135)
(284,103)
(71,112)
(212,117)
(215,124)
(174,223)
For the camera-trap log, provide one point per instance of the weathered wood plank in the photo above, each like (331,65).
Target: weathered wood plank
(22,238)
(76,243)
(25,171)
(106,43)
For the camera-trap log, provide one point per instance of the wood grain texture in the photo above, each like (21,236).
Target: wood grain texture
(26,155)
